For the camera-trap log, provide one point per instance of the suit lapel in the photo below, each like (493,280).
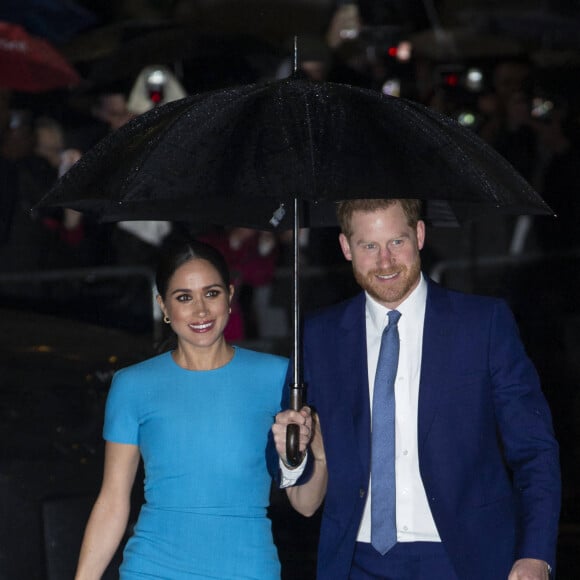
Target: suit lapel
(440,322)
(352,364)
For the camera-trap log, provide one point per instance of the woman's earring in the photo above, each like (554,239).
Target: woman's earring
(230,310)
(166,319)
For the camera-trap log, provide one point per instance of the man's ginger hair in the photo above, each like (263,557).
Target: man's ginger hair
(345,209)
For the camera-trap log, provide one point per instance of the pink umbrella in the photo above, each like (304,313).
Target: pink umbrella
(30,64)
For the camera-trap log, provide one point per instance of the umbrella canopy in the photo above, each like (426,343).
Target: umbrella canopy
(204,59)
(275,21)
(31,64)
(542,27)
(54,20)
(240,156)
(463,43)
(280,154)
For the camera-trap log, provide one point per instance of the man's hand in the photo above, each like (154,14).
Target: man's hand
(529,569)
(303,419)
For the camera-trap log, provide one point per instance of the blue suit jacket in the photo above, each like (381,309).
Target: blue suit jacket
(487,453)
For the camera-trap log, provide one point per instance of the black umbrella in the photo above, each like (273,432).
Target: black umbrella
(280,154)
(199,59)
(57,21)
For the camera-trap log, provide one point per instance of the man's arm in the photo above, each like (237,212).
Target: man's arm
(530,447)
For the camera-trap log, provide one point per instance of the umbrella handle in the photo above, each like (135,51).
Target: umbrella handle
(293,455)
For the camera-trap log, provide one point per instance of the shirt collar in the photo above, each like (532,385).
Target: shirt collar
(410,306)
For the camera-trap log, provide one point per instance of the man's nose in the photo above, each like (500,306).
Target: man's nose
(385,256)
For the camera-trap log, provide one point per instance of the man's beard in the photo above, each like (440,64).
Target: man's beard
(390,293)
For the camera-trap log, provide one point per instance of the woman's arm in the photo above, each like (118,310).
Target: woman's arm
(110,514)
(307,498)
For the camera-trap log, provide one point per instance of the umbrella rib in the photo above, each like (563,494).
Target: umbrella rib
(310,143)
(460,151)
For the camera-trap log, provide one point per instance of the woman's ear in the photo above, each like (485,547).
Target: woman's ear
(161,304)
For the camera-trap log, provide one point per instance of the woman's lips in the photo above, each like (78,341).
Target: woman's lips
(202,326)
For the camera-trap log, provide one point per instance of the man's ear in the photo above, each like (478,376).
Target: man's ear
(420,234)
(345,247)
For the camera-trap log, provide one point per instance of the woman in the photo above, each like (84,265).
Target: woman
(199,417)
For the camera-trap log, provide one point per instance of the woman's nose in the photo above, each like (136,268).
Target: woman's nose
(200,307)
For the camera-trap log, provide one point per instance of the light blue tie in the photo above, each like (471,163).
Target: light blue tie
(383,512)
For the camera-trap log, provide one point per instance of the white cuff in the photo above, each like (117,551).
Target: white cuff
(290,476)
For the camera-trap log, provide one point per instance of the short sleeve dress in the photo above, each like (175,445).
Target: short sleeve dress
(202,436)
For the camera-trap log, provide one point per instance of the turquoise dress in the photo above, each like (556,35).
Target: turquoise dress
(202,436)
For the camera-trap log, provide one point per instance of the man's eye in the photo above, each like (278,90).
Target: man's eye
(370,246)
(397,243)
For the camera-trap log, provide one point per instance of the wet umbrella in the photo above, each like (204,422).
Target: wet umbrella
(542,27)
(57,21)
(31,64)
(463,43)
(280,154)
(275,21)
(199,59)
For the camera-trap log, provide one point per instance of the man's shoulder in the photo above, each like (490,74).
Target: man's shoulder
(333,313)
(437,293)
(475,311)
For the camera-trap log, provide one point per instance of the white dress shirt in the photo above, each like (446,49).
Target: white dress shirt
(414,519)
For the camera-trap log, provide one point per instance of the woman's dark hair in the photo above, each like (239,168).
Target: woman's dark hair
(174,255)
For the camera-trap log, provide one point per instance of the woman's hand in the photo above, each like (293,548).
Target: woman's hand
(305,497)
(303,419)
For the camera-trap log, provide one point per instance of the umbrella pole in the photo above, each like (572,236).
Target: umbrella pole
(296,298)
(293,455)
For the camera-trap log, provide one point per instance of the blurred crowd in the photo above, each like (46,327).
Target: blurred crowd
(62,262)
(528,114)
(535,126)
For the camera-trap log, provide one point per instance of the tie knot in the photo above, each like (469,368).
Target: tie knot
(394,316)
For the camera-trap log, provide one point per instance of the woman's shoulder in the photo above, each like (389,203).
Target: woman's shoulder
(254,357)
(145,367)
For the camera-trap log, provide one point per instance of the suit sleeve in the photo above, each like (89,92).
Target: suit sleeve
(527,435)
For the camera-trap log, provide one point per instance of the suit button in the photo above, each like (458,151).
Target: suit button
(362,492)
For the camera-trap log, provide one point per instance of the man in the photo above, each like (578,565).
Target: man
(476,477)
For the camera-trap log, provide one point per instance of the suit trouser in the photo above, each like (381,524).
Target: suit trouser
(405,561)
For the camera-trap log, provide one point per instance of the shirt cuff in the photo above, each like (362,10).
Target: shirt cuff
(291,476)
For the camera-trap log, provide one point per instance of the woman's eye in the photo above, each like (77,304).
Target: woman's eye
(212,293)
(183,298)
